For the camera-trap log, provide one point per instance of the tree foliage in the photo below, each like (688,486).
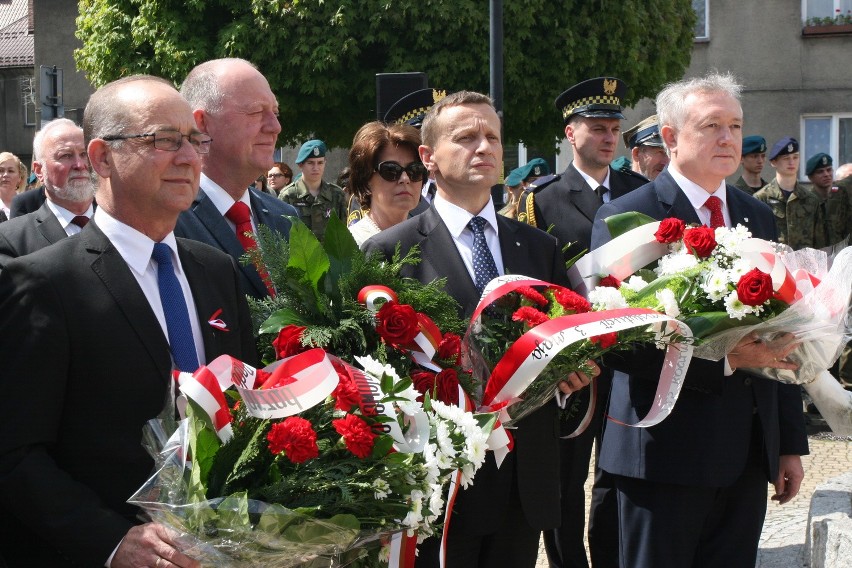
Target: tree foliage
(321,56)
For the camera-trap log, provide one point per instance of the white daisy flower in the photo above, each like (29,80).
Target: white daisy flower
(735,308)
(381,488)
(715,284)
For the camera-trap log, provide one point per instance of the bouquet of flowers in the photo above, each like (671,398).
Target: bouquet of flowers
(725,284)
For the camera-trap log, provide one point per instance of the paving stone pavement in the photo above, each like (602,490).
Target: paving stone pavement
(783,538)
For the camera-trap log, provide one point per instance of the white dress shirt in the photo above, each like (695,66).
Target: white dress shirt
(593,184)
(223,201)
(697,196)
(456,219)
(64,217)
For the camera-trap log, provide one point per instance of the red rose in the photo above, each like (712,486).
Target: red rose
(289,341)
(670,230)
(571,301)
(532,295)
(700,240)
(423,382)
(610,282)
(346,393)
(754,287)
(449,349)
(356,433)
(295,437)
(529,315)
(398,323)
(447,387)
(606,340)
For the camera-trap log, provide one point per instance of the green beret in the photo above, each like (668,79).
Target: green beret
(515,177)
(622,164)
(816,162)
(753,145)
(311,149)
(536,167)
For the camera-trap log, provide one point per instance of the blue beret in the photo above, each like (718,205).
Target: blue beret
(311,149)
(754,145)
(817,161)
(787,145)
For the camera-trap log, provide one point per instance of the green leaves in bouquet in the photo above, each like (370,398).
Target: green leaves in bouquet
(623,222)
(203,447)
(243,462)
(307,265)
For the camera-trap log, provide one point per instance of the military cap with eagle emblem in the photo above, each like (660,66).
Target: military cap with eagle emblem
(787,145)
(595,98)
(411,108)
(817,161)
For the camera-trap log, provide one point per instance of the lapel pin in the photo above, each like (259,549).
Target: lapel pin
(745,219)
(214,321)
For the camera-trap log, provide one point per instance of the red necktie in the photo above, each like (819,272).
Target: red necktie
(80,221)
(714,204)
(240,215)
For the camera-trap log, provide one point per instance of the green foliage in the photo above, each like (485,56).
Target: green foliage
(321,57)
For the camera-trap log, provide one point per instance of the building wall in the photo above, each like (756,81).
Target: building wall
(15,136)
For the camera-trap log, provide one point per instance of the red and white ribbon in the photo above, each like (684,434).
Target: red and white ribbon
(373,296)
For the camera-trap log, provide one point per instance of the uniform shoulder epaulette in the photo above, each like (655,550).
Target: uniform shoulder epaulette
(355,212)
(631,173)
(542,182)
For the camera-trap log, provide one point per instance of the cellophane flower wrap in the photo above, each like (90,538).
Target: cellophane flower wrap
(725,284)
(337,482)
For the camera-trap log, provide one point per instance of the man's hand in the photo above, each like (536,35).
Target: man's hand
(151,545)
(752,352)
(790,476)
(578,379)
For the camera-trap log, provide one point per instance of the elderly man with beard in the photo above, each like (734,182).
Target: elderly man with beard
(61,164)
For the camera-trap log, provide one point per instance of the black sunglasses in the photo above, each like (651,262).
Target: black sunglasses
(392,171)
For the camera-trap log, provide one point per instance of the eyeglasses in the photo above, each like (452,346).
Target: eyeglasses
(169,140)
(276,176)
(392,171)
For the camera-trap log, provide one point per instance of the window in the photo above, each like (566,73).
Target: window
(826,12)
(702,23)
(829,134)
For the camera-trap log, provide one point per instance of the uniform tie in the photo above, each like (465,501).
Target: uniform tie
(714,204)
(240,215)
(484,268)
(80,221)
(174,308)
(601,190)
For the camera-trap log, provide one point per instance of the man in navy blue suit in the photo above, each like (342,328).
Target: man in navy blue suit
(233,104)
(692,490)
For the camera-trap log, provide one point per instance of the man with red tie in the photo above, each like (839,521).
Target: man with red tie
(233,103)
(62,166)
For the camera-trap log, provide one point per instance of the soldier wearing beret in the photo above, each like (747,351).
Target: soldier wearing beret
(313,197)
(519,180)
(752,162)
(592,114)
(647,153)
(796,208)
(834,201)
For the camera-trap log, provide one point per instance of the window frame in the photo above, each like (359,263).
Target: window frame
(706,36)
(833,138)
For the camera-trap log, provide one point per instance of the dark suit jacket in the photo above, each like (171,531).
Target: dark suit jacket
(705,440)
(534,464)
(566,202)
(85,366)
(203,222)
(29,233)
(27,202)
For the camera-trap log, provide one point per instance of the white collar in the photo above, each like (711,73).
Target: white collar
(696,194)
(220,198)
(456,219)
(134,247)
(593,184)
(63,215)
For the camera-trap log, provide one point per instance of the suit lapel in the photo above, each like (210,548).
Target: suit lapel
(48,225)
(673,200)
(441,258)
(120,283)
(515,261)
(583,198)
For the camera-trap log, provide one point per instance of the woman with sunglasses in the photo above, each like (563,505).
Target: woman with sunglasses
(385,176)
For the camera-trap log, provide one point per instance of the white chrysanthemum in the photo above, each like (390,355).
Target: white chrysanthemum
(606,298)
(715,283)
(467,473)
(668,301)
(381,488)
(375,368)
(634,283)
(384,553)
(739,267)
(475,448)
(410,405)
(415,511)
(436,500)
(676,263)
(445,442)
(735,308)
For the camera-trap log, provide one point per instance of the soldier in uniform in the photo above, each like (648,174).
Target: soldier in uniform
(518,181)
(313,197)
(648,155)
(567,202)
(796,208)
(752,162)
(834,202)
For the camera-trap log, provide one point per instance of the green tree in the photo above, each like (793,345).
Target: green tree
(321,56)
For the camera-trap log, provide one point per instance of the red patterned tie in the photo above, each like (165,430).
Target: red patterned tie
(714,204)
(240,215)
(80,221)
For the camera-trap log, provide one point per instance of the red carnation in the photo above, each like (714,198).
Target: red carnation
(532,295)
(356,433)
(423,382)
(449,349)
(610,282)
(700,240)
(398,323)
(670,230)
(754,287)
(289,341)
(571,301)
(529,315)
(346,393)
(606,340)
(295,437)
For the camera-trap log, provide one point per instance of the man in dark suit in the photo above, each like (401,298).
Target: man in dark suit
(27,202)
(497,521)
(232,102)
(61,164)
(592,112)
(93,327)
(692,489)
